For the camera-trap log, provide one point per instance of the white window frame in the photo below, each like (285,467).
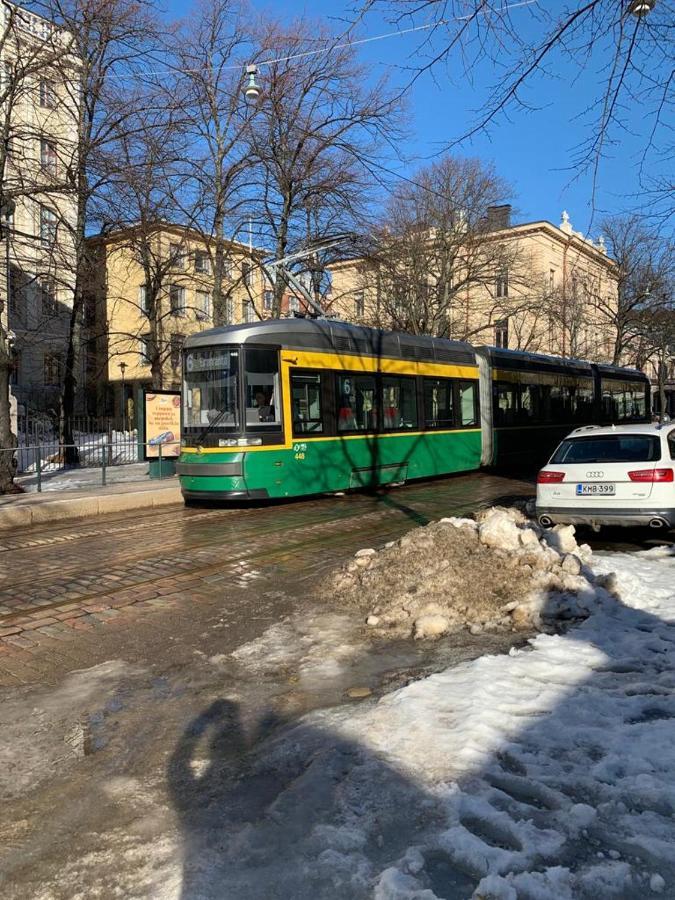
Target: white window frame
(203,304)
(48,224)
(178,309)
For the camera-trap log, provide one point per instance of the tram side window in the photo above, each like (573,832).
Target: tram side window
(468,405)
(504,403)
(527,409)
(399,403)
(582,403)
(357,408)
(561,403)
(439,407)
(263,398)
(306,403)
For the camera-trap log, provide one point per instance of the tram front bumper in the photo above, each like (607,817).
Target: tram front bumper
(216,481)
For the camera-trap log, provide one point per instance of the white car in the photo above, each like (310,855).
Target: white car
(615,475)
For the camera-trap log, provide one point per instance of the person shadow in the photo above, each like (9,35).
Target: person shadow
(544,774)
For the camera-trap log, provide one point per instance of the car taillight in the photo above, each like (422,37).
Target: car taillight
(548,477)
(652,475)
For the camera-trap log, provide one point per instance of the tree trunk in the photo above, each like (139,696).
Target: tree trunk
(71,455)
(8,439)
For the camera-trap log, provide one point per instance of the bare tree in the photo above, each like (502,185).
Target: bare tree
(208,54)
(627,46)
(29,49)
(645,264)
(108,40)
(316,130)
(439,263)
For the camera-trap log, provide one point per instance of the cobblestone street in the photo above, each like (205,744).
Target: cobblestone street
(72,595)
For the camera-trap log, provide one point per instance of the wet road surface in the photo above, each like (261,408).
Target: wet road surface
(145,622)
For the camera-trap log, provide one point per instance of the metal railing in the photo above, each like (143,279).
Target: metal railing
(45,466)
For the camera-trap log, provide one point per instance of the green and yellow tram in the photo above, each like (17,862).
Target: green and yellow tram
(299,406)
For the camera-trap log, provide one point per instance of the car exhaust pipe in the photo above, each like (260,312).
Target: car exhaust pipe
(658,523)
(545,521)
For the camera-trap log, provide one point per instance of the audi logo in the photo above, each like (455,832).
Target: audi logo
(594,474)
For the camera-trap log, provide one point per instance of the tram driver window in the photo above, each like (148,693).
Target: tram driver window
(306,403)
(357,407)
(263,406)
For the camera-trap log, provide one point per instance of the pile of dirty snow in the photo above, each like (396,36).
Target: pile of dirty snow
(499,572)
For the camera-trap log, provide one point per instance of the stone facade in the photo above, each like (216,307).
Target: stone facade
(123,324)
(557,295)
(40,111)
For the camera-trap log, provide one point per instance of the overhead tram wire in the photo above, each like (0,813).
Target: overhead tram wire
(341,45)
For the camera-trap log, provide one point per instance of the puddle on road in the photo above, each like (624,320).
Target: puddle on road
(315,660)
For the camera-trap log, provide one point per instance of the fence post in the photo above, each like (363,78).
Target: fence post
(38,468)
(160,460)
(110,432)
(104,456)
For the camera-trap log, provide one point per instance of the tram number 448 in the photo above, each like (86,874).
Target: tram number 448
(299,451)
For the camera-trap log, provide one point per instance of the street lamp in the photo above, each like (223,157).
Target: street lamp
(640,8)
(123,368)
(251,89)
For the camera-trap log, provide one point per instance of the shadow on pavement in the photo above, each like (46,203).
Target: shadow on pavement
(570,783)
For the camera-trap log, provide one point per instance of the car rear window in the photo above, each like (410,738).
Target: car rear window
(606,448)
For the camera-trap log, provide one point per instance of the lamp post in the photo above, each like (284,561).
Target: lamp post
(123,368)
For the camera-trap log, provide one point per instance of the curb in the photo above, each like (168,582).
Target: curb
(80,507)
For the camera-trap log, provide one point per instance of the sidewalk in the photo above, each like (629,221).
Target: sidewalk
(23,510)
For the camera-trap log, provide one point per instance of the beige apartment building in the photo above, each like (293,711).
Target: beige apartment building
(540,287)
(39,114)
(150,289)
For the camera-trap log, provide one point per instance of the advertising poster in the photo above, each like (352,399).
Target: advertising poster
(162,423)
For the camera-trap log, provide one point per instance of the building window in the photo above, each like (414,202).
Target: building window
(144,349)
(177,300)
(47,226)
(16,286)
(247,273)
(502,333)
(177,257)
(47,94)
(48,299)
(227,268)
(248,311)
(52,369)
(502,284)
(203,304)
(48,159)
(293,305)
(202,262)
(359,305)
(177,341)
(15,370)
(268,301)
(551,280)
(143,299)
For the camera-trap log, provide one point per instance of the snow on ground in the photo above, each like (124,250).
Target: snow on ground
(81,478)
(545,774)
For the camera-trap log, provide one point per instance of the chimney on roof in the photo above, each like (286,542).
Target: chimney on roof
(498,217)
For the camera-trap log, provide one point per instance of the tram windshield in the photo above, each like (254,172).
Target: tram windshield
(210,394)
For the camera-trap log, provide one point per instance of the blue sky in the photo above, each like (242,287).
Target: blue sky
(534,151)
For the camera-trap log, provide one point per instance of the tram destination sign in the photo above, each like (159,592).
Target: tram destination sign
(162,423)
(209,360)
